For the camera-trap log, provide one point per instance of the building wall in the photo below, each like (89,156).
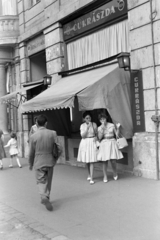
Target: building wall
(44,18)
(144,144)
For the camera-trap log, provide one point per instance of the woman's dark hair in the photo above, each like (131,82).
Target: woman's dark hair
(102,115)
(41,120)
(13,135)
(87,113)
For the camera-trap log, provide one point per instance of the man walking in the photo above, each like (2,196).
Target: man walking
(41,156)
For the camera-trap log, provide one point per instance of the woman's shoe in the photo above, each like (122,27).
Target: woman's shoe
(115,178)
(89,178)
(91,182)
(1,167)
(10,166)
(105,180)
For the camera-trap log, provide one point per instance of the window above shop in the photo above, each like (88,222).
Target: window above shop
(34,2)
(8,7)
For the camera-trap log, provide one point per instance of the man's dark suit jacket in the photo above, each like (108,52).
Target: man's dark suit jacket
(41,148)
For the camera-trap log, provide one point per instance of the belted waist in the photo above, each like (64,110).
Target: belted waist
(109,138)
(90,137)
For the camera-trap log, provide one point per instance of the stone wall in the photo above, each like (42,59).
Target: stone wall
(140,38)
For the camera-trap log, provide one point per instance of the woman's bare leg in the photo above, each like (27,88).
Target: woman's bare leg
(114,167)
(88,168)
(104,167)
(18,162)
(11,164)
(91,172)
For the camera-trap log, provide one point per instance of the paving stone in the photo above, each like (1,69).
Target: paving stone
(61,237)
(35,225)
(44,230)
(53,234)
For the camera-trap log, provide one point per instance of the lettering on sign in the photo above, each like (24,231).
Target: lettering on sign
(35,45)
(105,13)
(137,101)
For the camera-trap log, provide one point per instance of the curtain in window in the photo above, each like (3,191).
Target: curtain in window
(99,45)
(9,7)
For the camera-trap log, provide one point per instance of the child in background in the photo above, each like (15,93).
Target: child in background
(13,151)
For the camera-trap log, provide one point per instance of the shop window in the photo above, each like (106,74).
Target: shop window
(99,45)
(34,2)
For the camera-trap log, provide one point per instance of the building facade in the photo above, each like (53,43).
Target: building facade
(54,36)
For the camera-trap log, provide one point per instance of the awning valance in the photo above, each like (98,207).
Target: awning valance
(11,96)
(61,94)
(105,87)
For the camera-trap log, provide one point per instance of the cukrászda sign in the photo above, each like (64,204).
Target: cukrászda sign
(101,15)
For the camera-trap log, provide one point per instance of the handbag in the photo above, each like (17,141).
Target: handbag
(121,142)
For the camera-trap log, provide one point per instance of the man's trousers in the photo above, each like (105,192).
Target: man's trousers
(44,181)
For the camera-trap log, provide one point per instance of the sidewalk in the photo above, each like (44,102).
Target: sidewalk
(127,209)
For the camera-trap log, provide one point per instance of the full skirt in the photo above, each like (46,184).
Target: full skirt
(109,150)
(13,151)
(87,152)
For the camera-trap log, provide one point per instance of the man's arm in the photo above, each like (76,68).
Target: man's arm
(57,143)
(31,153)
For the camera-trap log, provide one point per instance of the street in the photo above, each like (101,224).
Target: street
(127,209)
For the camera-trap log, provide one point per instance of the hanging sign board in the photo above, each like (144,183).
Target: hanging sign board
(99,16)
(137,101)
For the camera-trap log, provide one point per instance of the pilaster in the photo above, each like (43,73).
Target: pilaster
(144,144)
(3,107)
(54,51)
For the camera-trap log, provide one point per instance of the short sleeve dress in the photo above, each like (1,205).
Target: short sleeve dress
(13,147)
(108,146)
(2,151)
(87,152)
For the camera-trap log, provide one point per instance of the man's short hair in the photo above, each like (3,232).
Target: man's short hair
(41,120)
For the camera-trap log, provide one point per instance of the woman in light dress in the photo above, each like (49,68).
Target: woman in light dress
(87,148)
(13,151)
(2,151)
(108,149)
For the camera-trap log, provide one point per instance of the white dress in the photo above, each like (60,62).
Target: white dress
(12,143)
(87,152)
(108,146)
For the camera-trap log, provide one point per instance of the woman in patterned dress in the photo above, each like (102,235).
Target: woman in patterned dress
(2,151)
(87,148)
(108,149)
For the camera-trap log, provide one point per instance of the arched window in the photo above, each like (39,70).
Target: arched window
(8,7)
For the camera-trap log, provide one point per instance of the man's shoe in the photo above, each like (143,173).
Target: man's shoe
(47,203)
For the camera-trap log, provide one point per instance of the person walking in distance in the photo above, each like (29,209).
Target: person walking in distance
(41,156)
(34,128)
(13,151)
(2,151)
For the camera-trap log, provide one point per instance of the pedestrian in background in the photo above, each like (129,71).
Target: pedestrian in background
(13,151)
(87,152)
(41,156)
(2,151)
(108,149)
(34,128)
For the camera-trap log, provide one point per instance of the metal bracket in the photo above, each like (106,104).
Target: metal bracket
(156,119)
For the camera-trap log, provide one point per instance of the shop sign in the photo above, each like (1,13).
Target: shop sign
(137,101)
(101,15)
(35,45)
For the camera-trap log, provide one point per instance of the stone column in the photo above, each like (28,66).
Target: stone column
(3,107)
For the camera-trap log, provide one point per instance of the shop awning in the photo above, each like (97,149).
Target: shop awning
(62,94)
(13,95)
(105,87)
